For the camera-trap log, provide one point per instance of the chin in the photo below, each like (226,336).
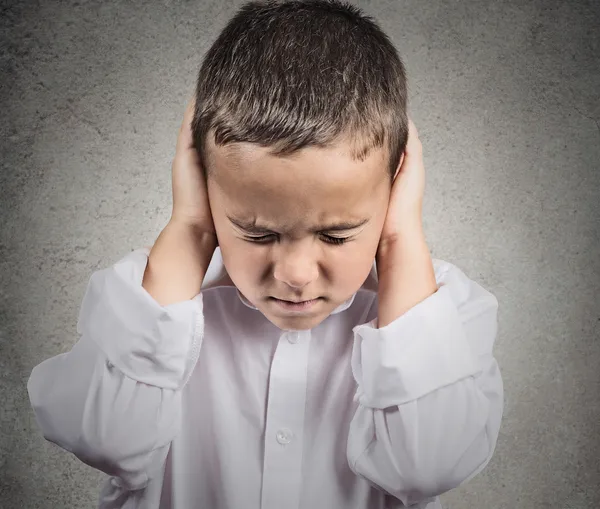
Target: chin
(295,322)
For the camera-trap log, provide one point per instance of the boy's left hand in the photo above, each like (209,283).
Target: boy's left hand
(404,214)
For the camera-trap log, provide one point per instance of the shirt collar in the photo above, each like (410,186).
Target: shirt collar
(216,275)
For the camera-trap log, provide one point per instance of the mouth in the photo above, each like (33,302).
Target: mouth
(288,305)
(295,301)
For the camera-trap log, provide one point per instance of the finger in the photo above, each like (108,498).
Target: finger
(184,139)
(414,143)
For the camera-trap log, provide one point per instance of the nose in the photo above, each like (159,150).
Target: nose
(296,265)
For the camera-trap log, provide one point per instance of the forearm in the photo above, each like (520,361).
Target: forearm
(177,263)
(405,273)
(114,399)
(108,420)
(430,391)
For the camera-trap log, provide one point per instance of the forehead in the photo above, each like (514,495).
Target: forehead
(313,185)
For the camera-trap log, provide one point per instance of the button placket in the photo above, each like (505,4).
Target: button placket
(286,403)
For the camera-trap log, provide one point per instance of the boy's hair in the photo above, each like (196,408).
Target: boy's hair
(292,74)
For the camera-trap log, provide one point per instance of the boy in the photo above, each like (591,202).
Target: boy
(287,342)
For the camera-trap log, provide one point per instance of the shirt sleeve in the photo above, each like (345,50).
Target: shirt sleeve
(430,393)
(114,400)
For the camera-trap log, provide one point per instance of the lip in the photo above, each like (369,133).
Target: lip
(296,306)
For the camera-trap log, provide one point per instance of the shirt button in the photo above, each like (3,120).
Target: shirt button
(292,337)
(284,436)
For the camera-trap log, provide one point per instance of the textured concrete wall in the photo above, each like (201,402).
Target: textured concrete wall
(506,99)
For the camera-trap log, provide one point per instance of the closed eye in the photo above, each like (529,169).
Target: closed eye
(265,239)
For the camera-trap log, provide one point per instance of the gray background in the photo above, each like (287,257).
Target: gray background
(505,97)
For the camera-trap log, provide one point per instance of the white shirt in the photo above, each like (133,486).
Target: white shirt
(205,404)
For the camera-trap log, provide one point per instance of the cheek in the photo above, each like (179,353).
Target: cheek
(243,263)
(235,251)
(358,263)
(350,266)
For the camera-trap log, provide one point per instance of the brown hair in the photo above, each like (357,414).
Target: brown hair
(292,74)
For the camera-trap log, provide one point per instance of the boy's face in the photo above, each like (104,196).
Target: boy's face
(292,201)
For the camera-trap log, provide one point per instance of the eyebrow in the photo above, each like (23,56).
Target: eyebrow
(252,227)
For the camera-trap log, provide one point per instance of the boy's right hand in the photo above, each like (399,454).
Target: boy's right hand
(190,196)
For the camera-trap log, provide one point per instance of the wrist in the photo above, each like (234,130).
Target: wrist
(178,262)
(195,229)
(200,226)
(409,239)
(406,275)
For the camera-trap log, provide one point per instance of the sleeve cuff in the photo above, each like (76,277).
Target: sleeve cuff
(154,344)
(423,350)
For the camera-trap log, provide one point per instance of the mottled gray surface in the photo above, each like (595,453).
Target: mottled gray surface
(505,96)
